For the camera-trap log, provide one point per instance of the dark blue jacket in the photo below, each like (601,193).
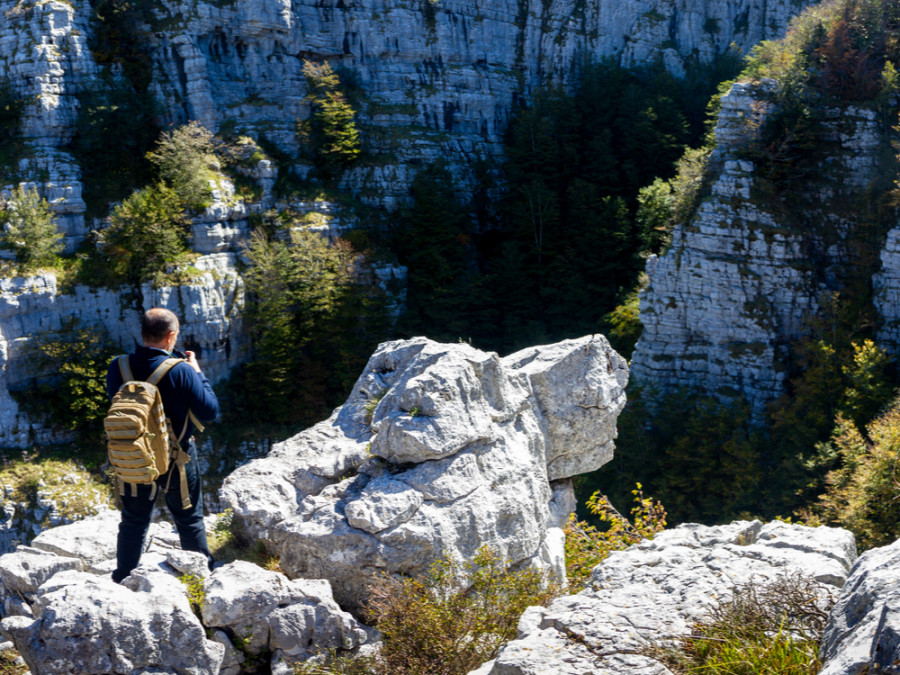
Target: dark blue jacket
(181,389)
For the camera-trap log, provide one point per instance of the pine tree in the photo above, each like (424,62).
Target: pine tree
(331,130)
(30,229)
(147,233)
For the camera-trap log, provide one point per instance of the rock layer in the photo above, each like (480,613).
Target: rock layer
(439,450)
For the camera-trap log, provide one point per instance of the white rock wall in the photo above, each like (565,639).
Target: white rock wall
(440,78)
(741,279)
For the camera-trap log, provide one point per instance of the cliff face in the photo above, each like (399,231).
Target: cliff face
(745,275)
(438,79)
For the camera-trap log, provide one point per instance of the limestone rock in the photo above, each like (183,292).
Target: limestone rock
(654,590)
(89,624)
(439,450)
(863,632)
(269,612)
(92,540)
(24,570)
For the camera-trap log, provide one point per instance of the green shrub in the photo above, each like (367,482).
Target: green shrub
(186,161)
(30,230)
(147,233)
(196,591)
(448,622)
(456,617)
(70,389)
(623,325)
(769,628)
(587,546)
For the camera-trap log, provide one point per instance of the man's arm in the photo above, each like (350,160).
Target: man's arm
(200,395)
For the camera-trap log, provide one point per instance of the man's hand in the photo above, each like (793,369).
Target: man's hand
(192,360)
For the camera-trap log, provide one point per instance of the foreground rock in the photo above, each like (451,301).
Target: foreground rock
(89,624)
(863,633)
(439,450)
(65,615)
(653,592)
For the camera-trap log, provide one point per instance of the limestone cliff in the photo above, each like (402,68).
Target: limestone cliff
(437,78)
(744,276)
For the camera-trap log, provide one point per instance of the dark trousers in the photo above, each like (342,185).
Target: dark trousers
(137,511)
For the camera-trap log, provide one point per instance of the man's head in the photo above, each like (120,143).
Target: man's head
(159,328)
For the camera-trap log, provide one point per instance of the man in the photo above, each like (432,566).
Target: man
(184,391)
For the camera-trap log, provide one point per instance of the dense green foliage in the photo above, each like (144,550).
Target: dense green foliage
(710,461)
(69,388)
(29,230)
(567,243)
(863,488)
(314,315)
(147,232)
(588,545)
(185,161)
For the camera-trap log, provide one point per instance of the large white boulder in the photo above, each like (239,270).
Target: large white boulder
(89,624)
(440,449)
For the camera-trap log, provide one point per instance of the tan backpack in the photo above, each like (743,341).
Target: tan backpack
(141,442)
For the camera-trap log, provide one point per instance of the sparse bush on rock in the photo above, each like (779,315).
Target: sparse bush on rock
(765,628)
(587,546)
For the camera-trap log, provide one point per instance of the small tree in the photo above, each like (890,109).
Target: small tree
(30,229)
(863,493)
(147,232)
(331,129)
(185,159)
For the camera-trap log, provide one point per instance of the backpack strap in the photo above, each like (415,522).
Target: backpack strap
(125,368)
(162,369)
